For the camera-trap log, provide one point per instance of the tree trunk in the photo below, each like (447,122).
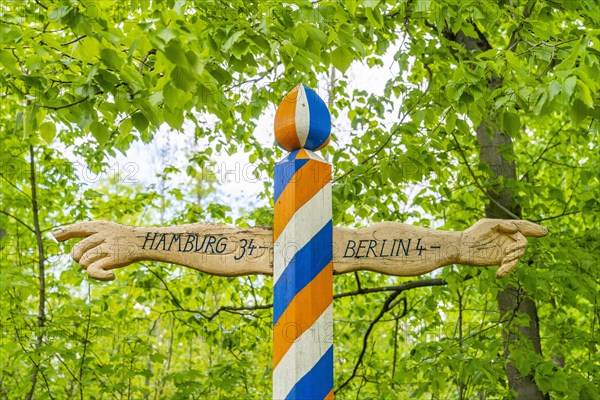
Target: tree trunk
(511,300)
(41,320)
(501,205)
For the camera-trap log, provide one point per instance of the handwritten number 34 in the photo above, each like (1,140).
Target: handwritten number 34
(245,246)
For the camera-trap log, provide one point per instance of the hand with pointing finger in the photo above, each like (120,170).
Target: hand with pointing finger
(497,242)
(106,245)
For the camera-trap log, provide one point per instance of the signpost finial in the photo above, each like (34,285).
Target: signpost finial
(302,121)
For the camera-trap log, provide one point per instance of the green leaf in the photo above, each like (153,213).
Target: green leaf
(462,126)
(588,392)
(513,60)
(317,35)
(583,92)
(176,54)
(57,14)
(31,121)
(341,58)
(173,117)
(568,86)
(181,78)
(232,39)
(450,122)
(511,123)
(140,122)
(47,131)
(9,61)
(554,89)
(578,112)
(166,35)
(488,54)
(100,132)
(239,49)
(468,29)
(111,59)
(171,96)
(149,111)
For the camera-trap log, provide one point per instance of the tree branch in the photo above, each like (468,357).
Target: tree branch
(236,309)
(548,146)
(70,104)
(403,286)
(564,214)
(472,173)
(15,186)
(229,309)
(18,220)
(74,40)
(173,297)
(145,59)
(41,5)
(387,306)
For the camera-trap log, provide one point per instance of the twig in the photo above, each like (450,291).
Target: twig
(235,309)
(74,40)
(564,214)
(490,197)
(18,220)
(357,281)
(41,5)
(387,306)
(173,297)
(546,148)
(143,61)
(70,104)
(403,286)
(229,309)
(561,164)
(15,186)
(85,345)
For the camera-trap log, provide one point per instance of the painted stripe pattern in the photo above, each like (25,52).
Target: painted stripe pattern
(303,278)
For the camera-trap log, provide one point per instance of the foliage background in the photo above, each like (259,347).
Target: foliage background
(87,79)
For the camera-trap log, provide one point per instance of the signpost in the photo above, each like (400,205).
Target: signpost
(303,255)
(302,251)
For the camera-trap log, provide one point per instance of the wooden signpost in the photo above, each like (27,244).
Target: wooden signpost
(302,251)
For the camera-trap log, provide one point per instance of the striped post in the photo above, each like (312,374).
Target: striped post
(302,265)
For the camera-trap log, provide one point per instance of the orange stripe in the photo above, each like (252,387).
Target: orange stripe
(285,122)
(302,312)
(329,396)
(305,183)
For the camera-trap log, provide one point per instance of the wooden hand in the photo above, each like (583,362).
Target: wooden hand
(497,242)
(106,245)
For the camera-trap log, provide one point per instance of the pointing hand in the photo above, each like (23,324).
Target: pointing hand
(497,242)
(106,245)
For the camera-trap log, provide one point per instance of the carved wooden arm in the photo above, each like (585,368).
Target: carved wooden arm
(390,247)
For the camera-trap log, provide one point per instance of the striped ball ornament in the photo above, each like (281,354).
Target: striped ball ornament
(302,121)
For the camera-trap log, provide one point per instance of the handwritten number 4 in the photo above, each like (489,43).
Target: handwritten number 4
(251,247)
